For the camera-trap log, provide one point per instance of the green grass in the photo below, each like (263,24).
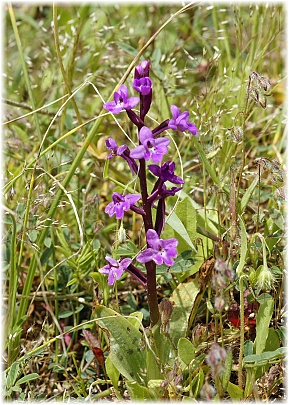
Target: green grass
(60,64)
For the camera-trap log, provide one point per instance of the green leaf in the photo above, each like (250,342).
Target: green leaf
(138,392)
(12,375)
(46,255)
(112,372)
(262,325)
(243,253)
(235,392)
(186,350)
(65,313)
(32,236)
(183,222)
(126,347)
(182,263)
(28,377)
(277,217)
(183,299)
(205,161)
(246,197)
(47,242)
(127,48)
(137,320)
(255,360)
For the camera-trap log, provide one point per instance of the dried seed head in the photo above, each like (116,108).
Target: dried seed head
(265,279)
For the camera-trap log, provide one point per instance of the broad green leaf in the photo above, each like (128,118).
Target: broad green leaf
(262,325)
(272,344)
(183,222)
(183,262)
(277,217)
(183,299)
(112,372)
(127,48)
(28,377)
(235,392)
(186,350)
(65,313)
(32,235)
(262,359)
(12,375)
(137,320)
(138,392)
(126,347)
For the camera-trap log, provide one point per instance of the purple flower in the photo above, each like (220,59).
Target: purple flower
(180,121)
(122,151)
(114,269)
(121,101)
(166,172)
(120,204)
(150,148)
(142,70)
(143,85)
(160,250)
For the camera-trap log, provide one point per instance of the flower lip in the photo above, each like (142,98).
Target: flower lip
(180,121)
(150,148)
(143,85)
(121,101)
(120,204)
(159,250)
(115,268)
(166,172)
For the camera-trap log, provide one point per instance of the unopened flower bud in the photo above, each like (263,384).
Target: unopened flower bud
(219,304)
(166,309)
(199,334)
(216,358)
(207,392)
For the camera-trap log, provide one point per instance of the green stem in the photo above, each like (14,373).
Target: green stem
(11,313)
(242,333)
(64,75)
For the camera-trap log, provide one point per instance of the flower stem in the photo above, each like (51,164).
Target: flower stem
(150,266)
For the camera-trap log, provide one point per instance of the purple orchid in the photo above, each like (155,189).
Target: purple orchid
(120,204)
(122,151)
(166,172)
(160,250)
(150,148)
(114,269)
(180,121)
(142,70)
(143,85)
(121,101)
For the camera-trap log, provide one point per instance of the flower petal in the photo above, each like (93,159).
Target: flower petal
(145,256)
(138,152)
(153,239)
(145,134)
